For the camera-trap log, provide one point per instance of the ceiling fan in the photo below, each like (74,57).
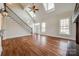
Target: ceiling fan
(33,8)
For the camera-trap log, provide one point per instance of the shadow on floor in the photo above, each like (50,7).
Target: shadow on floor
(73,49)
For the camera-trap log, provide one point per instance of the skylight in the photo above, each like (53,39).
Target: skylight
(49,6)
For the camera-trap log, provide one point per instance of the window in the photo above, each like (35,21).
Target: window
(43,27)
(64,26)
(37,28)
(49,6)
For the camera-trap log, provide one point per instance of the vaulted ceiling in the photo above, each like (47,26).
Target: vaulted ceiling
(59,7)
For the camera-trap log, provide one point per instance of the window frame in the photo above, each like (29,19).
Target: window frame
(64,27)
(47,8)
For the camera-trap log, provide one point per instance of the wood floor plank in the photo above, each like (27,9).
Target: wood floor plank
(28,46)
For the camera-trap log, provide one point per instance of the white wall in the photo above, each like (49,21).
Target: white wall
(51,19)
(12,29)
(52,25)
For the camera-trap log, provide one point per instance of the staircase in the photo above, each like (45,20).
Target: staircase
(27,24)
(16,18)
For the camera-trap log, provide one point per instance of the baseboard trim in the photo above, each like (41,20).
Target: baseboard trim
(43,35)
(58,37)
(17,37)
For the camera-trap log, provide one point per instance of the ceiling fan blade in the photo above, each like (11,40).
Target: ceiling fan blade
(33,7)
(37,9)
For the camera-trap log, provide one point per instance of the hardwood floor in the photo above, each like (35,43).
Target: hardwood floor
(37,45)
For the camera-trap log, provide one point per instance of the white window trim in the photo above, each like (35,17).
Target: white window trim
(51,10)
(60,28)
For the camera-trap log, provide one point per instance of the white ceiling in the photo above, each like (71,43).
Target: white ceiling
(59,7)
